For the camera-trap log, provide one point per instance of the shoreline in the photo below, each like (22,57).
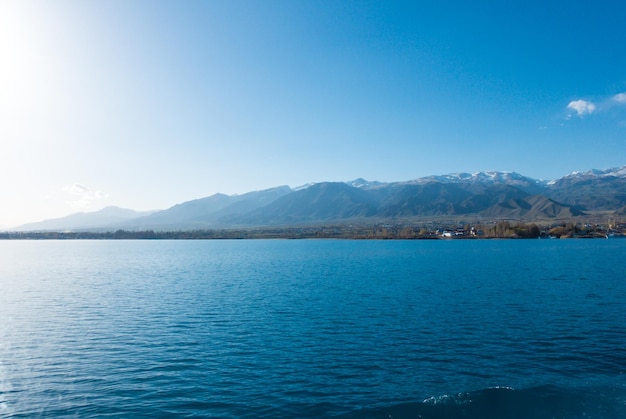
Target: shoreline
(296,234)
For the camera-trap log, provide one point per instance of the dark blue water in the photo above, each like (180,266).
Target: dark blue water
(306,329)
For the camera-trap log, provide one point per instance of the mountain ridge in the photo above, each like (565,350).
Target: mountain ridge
(85,220)
(485,194)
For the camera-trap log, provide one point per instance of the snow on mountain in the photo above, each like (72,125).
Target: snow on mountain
(362,183)
(614,171)
(593,173)
(487,177)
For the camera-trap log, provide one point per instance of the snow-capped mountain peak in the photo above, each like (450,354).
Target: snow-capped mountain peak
(485,177)
(362,183)
(593,173)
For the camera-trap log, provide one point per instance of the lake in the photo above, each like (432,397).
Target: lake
(313,328)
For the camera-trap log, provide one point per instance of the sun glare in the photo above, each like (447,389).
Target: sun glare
(27,63)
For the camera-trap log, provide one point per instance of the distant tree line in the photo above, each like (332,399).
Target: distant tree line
(500,229)
(505,229)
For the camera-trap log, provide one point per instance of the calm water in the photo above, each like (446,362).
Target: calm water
(284,328)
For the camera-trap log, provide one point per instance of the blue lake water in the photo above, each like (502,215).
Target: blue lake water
(313,328)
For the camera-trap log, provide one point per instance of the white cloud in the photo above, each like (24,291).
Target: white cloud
(620,98)
(582,107)
(82,195)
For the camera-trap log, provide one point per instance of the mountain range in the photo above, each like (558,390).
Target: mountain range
(482,195)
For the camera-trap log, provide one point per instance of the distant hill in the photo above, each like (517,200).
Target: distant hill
(594,190)
(210,212)
(487,195)
(536,207)
(327,201)
(85,220)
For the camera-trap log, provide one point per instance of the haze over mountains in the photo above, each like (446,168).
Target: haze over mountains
(482,195)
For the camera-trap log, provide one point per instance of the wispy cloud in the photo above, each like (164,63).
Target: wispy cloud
(82,196)
(620,98)
(582,107)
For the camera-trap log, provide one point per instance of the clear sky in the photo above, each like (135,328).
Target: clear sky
(146,104)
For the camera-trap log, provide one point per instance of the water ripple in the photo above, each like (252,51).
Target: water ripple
(311,329)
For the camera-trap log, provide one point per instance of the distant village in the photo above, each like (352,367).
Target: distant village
(447,231)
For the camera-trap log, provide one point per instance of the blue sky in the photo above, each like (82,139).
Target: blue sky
(145,104)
